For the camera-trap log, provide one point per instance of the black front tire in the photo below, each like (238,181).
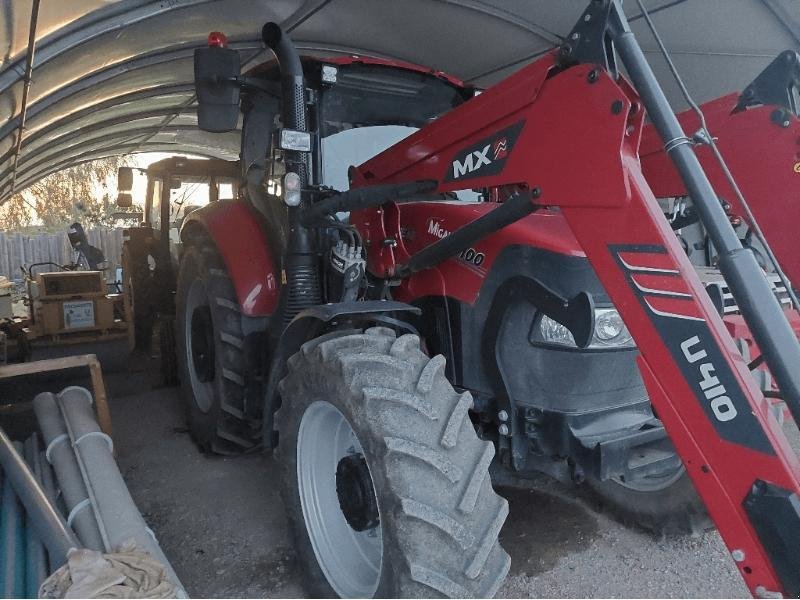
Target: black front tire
(672,508)
(439,516)
(213,385)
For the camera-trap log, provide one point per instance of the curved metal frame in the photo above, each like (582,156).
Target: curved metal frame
(91,26)
(158,146)
(185,91)
(36,169)
(76,137)
(70,135)
(107,20)
(109,73)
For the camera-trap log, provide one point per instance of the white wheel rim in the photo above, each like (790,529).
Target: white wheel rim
(351,560)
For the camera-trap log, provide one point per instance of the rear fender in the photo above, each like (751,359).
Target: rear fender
(237,231)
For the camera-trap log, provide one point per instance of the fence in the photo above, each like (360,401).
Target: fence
(19,249)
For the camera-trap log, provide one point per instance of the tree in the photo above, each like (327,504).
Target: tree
(81,193)
(16,213)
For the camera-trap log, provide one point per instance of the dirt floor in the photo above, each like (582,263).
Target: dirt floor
(221,522)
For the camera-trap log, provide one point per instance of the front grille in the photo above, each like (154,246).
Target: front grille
(715,283)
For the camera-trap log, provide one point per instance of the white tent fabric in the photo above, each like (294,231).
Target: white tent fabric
(113,77)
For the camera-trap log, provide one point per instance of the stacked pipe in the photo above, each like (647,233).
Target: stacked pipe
(34,536)
(119,518)
(84,482)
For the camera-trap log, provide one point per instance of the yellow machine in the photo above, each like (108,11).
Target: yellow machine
(66,304)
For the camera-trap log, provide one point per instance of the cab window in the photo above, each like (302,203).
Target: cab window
(154,214)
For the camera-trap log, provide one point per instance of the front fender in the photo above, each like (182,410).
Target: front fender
(237,231)
(312,322)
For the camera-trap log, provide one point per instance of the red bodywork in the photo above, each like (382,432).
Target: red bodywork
(763,156)
(460,278)
(577,140)
(234,227)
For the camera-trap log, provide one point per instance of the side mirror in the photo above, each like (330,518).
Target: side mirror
(215,72)
(124,200)
(124,179)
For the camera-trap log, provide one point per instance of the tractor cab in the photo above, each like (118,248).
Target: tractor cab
(357,108)
(175,187)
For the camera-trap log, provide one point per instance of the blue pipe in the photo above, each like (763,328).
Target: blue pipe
(35,558)
(12,538)
(47,522)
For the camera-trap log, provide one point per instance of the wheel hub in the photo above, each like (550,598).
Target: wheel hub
(202,344)
(356,494)
(331,481)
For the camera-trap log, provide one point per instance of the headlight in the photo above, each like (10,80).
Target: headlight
(292,192)
(609,331)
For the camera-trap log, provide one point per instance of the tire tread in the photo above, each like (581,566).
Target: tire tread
(436,473)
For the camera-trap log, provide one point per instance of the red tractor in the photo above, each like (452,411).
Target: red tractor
(494,283)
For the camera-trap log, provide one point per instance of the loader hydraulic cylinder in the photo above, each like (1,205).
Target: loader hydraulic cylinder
(753,293)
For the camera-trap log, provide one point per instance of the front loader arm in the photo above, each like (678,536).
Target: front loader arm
(570,136)
(760,146)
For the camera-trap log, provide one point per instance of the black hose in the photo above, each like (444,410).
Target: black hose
(365,197)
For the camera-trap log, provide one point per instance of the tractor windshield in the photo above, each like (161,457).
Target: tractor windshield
(372,107)
(355,146)
(368,95)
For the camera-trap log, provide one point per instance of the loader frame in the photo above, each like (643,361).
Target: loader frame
(565,132)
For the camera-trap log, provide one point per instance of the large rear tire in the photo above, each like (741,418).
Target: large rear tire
(386,483)
(210,344)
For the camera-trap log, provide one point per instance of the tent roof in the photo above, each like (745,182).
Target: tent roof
(113,77)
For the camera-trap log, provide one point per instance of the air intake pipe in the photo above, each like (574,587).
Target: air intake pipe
(302,289)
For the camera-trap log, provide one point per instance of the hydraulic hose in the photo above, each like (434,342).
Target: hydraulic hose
(365,197)
(515,208)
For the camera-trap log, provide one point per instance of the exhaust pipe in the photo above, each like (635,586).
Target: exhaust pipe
(302,289)
(293,86)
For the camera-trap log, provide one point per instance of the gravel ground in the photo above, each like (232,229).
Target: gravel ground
(221,522)
(562,548)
